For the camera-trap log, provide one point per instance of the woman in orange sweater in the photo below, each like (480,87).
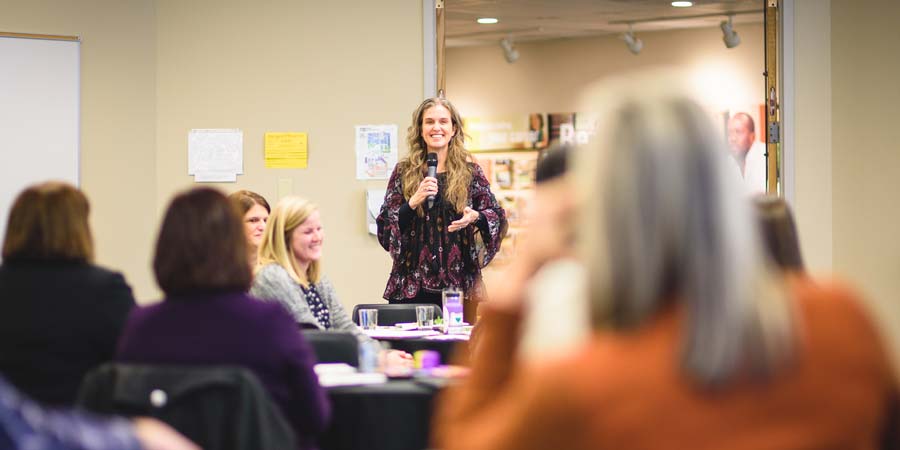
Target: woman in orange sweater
(699,342)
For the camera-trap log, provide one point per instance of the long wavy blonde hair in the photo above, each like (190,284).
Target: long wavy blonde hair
(413,168)
(275,247)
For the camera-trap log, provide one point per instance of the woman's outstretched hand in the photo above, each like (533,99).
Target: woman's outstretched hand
(469,217)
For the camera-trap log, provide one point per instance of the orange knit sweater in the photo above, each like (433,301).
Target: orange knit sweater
(626,390)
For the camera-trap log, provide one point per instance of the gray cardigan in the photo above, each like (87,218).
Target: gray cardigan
(273,283)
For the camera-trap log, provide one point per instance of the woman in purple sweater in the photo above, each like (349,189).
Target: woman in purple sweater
(207,319)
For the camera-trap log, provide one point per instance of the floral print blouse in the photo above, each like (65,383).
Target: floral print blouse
(425,254)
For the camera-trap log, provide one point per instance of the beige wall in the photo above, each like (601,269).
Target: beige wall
(865,110)
(153,70)
(118,113)
(549,76)
(812,152)
(318,67)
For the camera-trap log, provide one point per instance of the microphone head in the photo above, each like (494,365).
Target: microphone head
(431,159)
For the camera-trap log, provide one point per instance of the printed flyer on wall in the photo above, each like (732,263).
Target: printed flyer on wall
(376,151)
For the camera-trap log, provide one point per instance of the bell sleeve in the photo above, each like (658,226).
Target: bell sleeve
(491,224)
(394,217)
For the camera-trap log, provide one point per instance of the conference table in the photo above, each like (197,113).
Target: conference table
(392,415)
(395,415)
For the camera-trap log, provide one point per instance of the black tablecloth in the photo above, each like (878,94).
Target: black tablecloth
(392,416)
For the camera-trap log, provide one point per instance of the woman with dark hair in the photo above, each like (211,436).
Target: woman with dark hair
(440,243)
(779,234)
(60,315)
(255,212)
(207,319)
(698,342)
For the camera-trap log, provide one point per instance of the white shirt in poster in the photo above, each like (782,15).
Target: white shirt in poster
(755,169)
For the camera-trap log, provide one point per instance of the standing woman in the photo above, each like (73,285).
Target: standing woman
(255,213)
(60,315)
(444,245)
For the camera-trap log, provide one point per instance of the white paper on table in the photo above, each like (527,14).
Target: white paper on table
(376,151)
(374,200)
(351,379)
(333,368)
(215,154)
(396,333)
(448,337)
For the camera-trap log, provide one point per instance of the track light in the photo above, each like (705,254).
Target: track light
(509,51)
(729,36)
(633,43)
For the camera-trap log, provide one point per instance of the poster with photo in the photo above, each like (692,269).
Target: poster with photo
(526,132)
(555,123)
(745,137)
(376,151)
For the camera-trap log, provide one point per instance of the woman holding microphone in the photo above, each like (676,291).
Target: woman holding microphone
(440,222)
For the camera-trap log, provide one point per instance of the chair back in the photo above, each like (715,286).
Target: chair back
(334,346)
(392,314)
(217,407)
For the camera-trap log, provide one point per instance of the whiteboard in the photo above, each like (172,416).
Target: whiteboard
(39,115)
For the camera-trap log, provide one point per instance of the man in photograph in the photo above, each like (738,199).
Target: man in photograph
(748,153)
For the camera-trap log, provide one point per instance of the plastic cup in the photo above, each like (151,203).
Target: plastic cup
(424,316)
(368,319)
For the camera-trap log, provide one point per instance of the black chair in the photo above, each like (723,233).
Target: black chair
(334,346)
(392,314)
(217,407)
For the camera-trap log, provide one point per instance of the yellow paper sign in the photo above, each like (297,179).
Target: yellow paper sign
(286,150)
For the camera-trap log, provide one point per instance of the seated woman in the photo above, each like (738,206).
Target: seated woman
(779,234)
(698,342)
(289,272)
(207,319)
(255,211)
(60,315)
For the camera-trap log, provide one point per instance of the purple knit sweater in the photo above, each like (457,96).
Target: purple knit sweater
(234,329)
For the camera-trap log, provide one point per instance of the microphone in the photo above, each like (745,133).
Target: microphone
(431,161)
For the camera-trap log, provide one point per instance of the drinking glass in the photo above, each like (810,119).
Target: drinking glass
(368,319)
(424,316)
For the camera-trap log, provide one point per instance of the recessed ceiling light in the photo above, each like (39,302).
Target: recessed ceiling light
(682,4)
(487,20)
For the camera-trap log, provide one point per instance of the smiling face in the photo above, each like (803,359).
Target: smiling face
(255,224)
(437,128)
(306,240)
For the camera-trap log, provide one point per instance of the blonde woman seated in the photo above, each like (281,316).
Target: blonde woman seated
(290,272)
(255,213)
(698,342)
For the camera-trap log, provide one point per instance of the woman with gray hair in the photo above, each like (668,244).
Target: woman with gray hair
(698,342)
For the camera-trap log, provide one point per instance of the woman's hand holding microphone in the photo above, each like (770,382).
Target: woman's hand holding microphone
(428,186)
